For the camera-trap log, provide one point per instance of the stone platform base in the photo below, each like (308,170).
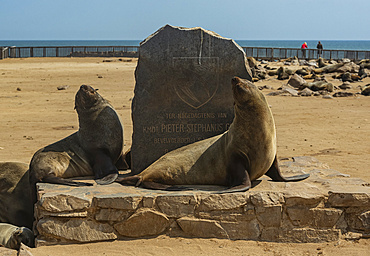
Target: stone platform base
(322,208)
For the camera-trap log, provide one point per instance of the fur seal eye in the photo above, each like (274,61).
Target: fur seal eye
(242,87)
(235,80)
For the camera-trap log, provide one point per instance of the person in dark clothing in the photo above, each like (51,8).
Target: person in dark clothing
(319,49)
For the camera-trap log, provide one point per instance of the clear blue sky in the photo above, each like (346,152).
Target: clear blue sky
(137,19)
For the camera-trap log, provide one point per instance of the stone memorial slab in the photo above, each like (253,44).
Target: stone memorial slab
(183,90)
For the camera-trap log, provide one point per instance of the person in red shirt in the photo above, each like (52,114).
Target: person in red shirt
(303,48)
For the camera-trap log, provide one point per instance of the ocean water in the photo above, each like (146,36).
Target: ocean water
(328,44)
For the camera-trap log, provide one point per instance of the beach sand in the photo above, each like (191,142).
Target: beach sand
(34,113)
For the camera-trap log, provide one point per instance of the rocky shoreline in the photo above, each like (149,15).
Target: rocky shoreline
(310,78)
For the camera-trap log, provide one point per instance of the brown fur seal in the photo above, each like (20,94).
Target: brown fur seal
(15,195)
(242,154)
(12,236)
(93,150)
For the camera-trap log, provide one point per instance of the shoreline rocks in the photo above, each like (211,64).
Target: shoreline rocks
(345,70)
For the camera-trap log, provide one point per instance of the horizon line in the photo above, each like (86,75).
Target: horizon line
(144,39)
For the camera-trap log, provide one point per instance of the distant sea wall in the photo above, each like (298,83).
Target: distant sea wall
(261,53)
(357,45)
(69,51)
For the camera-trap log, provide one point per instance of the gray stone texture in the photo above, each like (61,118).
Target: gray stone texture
(177,206)
(296,81)
(145,222)
(182,91)
(202,228)
(319,209)
(78,230)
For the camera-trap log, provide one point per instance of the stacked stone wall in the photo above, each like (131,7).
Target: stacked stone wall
(307,211)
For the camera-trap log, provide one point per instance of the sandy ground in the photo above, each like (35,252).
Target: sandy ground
(34,113)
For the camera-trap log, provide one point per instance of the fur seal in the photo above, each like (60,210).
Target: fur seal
(15,194)
(12,236)
(242,154)
(93,150)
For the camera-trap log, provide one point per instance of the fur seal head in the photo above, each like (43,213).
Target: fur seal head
(248,99)
(243,92)
(87,98)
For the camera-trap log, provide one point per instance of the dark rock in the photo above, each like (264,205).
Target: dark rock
(305,92)
(296,81)
(327,96)
(320,78)
(264,87)
(343,94)
(272,72)
(282,73)
(366,90)
(269,68)
(289,71)
(277,93)
(62,87)
(285,90)
(260,73)
(345,86)
(302,72)
(346,77)
(320,85)
(349,67)
(312,64)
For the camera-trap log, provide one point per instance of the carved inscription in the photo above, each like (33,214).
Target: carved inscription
(180,132)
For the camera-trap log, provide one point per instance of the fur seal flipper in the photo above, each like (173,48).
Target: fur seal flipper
(234,159)
(104,169)
(275,174)
(12,236)
(93,150)
(107,179)
(59,180)
(16,206)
